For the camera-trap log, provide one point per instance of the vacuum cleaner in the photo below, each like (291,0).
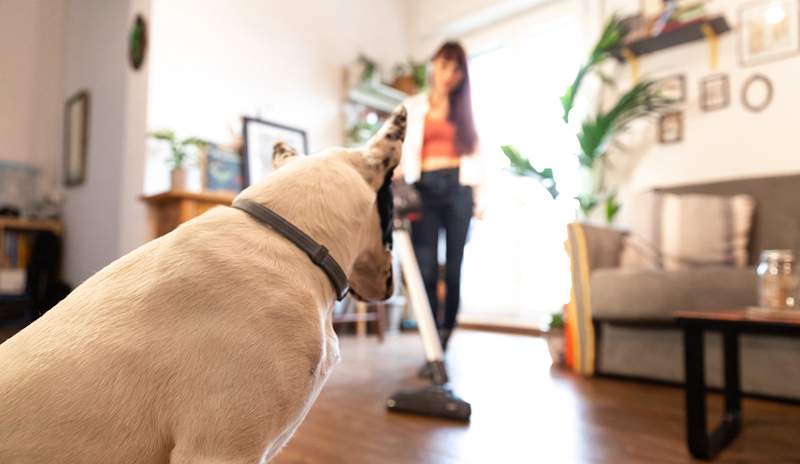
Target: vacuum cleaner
(437,399)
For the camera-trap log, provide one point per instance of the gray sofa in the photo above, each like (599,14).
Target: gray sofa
(632,309)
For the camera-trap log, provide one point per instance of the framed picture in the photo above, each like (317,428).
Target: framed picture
(715,92)
(673,87)
(76,138)
(670,127)
(769,30)
(222,169)
(757,93)
(259,137)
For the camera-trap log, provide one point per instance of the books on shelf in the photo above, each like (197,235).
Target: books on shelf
(16,249)
(14,257)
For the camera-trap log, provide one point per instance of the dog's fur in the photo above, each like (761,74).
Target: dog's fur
(210,344)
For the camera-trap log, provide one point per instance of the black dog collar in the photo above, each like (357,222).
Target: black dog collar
(319,254)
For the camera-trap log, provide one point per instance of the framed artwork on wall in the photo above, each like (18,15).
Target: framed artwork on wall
(222,169)
(673,87)
(259,137)
(768,30)
(715,92)
(670,127)
(76,138)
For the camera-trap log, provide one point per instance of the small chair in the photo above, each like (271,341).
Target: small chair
(356,312)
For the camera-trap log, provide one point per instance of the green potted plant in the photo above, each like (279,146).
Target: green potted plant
(555,339)
(598,131)
(180,155)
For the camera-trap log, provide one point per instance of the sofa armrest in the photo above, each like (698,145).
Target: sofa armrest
(594,246)
(589,248)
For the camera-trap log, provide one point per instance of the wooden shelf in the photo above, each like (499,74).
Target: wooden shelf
(30,225)
(220,198)
(690,32)
(377,96)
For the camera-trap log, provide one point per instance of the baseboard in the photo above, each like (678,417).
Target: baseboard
(501,328)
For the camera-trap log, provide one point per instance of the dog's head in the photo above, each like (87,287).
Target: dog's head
(371,278)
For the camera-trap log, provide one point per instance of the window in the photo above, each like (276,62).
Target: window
(515,266)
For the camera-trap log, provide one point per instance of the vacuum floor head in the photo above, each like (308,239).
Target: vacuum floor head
(435,401)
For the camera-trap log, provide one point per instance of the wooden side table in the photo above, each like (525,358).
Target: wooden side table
(168,210)
(732,323)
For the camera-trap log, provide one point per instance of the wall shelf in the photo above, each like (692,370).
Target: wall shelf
(30,225)
(377,96)
(687,33)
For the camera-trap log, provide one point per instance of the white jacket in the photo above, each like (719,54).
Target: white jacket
(471,171)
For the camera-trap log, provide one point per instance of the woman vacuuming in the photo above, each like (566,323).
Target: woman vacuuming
(440,159)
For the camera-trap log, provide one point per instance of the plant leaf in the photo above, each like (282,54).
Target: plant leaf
(610,38)
(587,202)
(521,166)
(612,207)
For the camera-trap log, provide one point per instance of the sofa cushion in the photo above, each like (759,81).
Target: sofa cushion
(626,294)
(677,232)
(777,218)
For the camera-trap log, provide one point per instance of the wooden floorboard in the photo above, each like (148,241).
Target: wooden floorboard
(523,412)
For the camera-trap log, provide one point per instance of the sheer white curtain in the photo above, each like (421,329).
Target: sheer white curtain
(515,266)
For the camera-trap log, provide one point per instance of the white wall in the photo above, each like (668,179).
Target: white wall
(31,48)
(213,62)
(104,218)
(732,142)
(132,212)
(434,21)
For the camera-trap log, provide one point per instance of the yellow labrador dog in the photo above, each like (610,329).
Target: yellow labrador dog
(210,344)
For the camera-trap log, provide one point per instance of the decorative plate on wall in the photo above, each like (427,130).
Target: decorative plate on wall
(137,43)
(757,93)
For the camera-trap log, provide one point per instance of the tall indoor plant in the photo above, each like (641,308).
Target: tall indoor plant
(598,131)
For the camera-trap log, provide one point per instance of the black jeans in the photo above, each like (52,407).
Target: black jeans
(446,204)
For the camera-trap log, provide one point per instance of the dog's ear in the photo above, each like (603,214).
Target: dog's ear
(281,154)
(384,149)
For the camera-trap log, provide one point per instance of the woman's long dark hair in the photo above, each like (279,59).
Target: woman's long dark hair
(460,99)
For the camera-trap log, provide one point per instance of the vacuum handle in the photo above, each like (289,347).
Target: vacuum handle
(417,296)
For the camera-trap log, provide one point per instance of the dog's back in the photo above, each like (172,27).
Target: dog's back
(158,344)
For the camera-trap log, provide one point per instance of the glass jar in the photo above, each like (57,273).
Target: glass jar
(778,280)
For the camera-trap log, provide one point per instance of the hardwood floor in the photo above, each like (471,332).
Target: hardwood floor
(523,412)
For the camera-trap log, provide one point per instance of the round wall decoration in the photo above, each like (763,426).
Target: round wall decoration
(757,93)
(137,43)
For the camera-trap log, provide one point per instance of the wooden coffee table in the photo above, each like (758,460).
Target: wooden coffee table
(731,323)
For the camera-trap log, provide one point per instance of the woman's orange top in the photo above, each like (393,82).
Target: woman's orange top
(439,145)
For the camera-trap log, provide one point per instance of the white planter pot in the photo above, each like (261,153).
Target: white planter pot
(178,179)
(555,344)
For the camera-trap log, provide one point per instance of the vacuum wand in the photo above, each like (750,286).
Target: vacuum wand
(438,399)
